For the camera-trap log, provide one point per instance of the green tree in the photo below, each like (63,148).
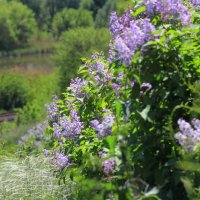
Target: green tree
(17,24)
(87,4)
(71,18)
(7,36)
(23,21)
(102,17)
(77,43)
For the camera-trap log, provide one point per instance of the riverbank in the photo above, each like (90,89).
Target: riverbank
(33,48)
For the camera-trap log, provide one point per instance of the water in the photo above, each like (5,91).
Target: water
(28,63)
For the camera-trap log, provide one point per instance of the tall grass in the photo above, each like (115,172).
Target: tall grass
(30,179)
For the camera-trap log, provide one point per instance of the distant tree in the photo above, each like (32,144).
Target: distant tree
(102,17)
(75,44)
(7,34)
(23,21)
(17,24)
(87,4)
(71,18)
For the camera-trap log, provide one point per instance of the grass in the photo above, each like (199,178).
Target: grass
(30,179)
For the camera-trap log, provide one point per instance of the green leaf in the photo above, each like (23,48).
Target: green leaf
(139,10)
(188,185)
(111,142)
(118,108)
(144,113)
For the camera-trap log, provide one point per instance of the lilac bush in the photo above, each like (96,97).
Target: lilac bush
(121,137)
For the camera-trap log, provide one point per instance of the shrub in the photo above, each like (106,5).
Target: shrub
(115,132)
(14,90)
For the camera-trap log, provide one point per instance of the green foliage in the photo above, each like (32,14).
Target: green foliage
(14,91)
(17,24)
(102,17)
(75,44)
(86,4)
(35,110)
(71,18)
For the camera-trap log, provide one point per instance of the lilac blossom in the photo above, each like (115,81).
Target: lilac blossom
(105,110)
(68,127)
(100,71)
(57,130)
(101,154)
(117,24)
(195,3)
(132,84)
(189,134)
(77,87)
(109,166)
(60,161)
(116,86)
(147,86)
(105,128)
(120,76)
(52,110)
(45,152)
(37,133)
(132,37)
(169,9)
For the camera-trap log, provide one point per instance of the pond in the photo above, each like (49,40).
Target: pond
(30,63)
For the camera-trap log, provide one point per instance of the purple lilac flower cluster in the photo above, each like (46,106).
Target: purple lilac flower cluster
(77,87)
(169,9)
(128,35)
(109,166)
(146,86)
(118,24)
(60,161)
(195,3)
(189,134)
(100,71)
(37,133)
(52,110)
(105,128)
(67,127)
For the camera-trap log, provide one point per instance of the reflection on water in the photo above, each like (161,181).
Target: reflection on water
(29,63)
